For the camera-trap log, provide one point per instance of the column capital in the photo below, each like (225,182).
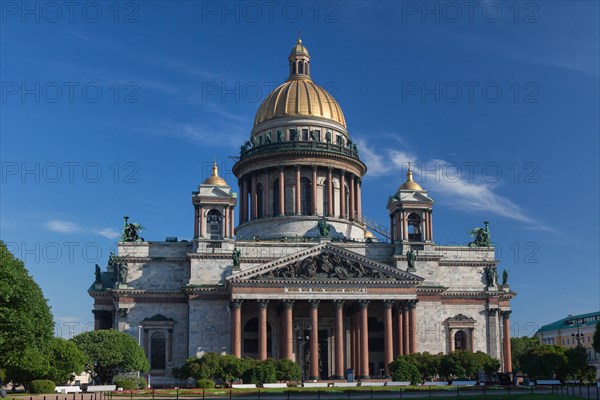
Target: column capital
(492,311)
(364,304)
(314,303)
(288,303)
(339,304)
(506,314)
(314,167)
(388,304)
(236,304)
(411,304)
(297,167)
(400,307)
(263,303)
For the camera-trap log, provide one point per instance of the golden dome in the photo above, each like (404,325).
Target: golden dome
(410,184)
(299,96)
(215,179)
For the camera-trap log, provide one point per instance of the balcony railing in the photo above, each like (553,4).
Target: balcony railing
(294,146)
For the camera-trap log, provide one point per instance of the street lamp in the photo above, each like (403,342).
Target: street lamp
(302,340)
(578,336)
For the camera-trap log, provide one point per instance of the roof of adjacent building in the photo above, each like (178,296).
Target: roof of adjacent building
(589,319)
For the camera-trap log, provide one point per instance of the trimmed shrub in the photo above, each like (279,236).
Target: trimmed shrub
(42,386)
(264,372)
(287,370)
(205,383)
(129,382)
(403,371)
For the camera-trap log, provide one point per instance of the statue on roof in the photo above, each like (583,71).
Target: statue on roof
(98,274)
(280,135)
(481,236)
(130,231)
(236,257)
(504,277)
(490,275)
(411,258)
(323,227)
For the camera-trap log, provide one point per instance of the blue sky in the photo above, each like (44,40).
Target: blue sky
(120,110)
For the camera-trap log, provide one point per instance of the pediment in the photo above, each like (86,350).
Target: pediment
(413,196)
(327,263)
(214,191)
(460,318)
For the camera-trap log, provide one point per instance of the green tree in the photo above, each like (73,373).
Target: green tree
(596,342)
(427,364)
(65,359)
(520,346)
(466,364)
(26,325)
(404,371)
(264,372)
(111,352)
(545,362)
(287,370)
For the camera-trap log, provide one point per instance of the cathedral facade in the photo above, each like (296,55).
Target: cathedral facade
(301,276)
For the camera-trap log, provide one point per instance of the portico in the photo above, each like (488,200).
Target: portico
(333,310)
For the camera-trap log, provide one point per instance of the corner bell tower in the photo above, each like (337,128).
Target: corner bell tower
(410,214)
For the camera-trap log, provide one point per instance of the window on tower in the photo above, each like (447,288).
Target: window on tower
(259,200)
(214,221)
(414,228)
(305,196)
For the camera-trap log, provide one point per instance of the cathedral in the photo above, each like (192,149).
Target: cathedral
(302,276)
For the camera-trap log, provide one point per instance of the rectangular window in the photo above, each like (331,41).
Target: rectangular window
(305,135)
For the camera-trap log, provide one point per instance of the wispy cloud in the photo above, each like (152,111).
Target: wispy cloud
(455,191)
(69,227)
(62,226)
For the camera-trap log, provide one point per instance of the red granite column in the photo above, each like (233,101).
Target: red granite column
(364,342)
(506,341)
(412,315)
(430,226)
(244,216)
(351,207)
(339,339)
(314,339)
(281,191)
(400,330)
(314,190)
(405,330)
(253,199)
(356,349)
(262,329)
(288,347)
(388,338)
(298,199)
(236,328)
(358,198)
(232,211)
(342,194)
(329,193)
(352,343)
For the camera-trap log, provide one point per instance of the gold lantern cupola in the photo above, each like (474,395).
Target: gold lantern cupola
(299,62)
(410,184)
(215,179)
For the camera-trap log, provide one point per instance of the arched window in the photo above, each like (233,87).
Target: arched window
(414,228)
(293,68)
(305,196)
(214,221)
(251,337)
(276,210)
(326,198)
(460,340)
(300,67)
(260,200)
(158,348)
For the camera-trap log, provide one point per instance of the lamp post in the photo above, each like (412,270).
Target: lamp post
(577,336)
(139,342)
(302,340)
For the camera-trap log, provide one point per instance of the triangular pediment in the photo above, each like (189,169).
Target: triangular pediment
(326,263)
(214,191)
